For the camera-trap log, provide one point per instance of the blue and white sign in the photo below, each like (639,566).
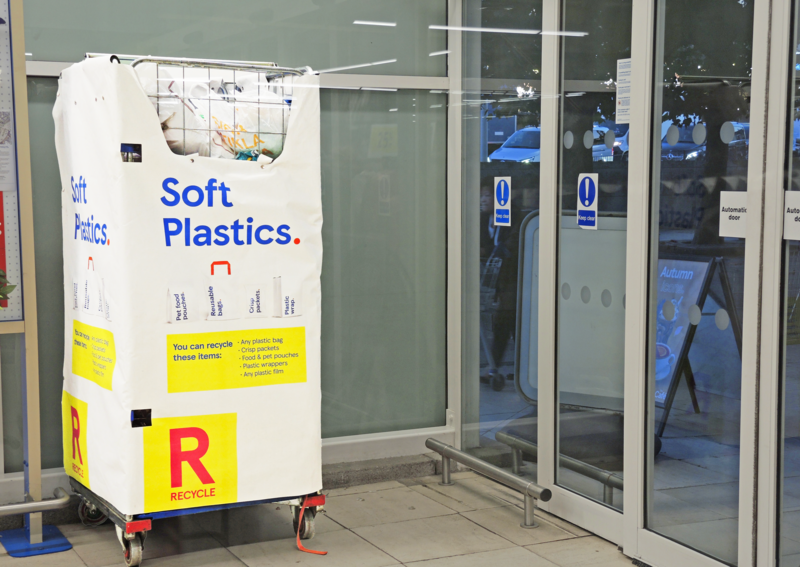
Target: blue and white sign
(502,201)
(588,194)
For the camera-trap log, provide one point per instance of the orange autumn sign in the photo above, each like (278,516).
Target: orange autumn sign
(190,462)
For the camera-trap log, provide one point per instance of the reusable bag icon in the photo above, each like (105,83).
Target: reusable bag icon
(220,295)
(88,292)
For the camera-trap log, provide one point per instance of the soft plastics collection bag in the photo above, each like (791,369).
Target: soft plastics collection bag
(192,305)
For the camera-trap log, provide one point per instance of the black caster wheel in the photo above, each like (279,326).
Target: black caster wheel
(657,446)
(90,515)
(132,550)
(308,529)
(498,382)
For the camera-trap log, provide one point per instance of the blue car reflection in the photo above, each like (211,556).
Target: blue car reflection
(522,147)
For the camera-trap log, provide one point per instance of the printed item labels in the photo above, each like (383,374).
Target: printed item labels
(282,297)
(221,302)
(286,297)
(198,362)
(257,301)
(181,305)
(93,354)
(190,462)
(74,424)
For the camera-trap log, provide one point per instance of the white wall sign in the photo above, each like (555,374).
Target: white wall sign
(791,215)
(623,91)
(588,184)
(502,201)
(733,213)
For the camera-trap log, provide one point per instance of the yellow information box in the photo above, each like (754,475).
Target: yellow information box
(198,362)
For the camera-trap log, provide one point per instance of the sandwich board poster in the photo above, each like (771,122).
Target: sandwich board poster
(681,285)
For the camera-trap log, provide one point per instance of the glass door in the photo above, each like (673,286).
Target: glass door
(701,118)
(786,537)
(617,367)
(701,103)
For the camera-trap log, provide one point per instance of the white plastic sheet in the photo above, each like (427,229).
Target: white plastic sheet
(185,385)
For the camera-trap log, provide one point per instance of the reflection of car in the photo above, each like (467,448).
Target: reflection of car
(619,150)
(686,150)
(741,141)
(522,147)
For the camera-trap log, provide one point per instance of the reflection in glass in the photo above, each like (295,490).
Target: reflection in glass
(383,282)
(591,323)
(789,464)
(319,33)
(699,159)
(502,138)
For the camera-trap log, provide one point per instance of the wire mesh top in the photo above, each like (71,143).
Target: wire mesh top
(220,109)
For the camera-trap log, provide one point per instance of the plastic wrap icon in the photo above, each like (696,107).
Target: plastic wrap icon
(220,295)
(257,301)
(104,295)
(91,292)
(287,297)
(181,304)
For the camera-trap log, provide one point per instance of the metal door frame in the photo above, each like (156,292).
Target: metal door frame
(638,541)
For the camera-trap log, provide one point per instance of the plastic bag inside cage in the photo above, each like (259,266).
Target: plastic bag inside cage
(220,113)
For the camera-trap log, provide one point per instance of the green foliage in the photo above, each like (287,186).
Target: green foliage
(6,287)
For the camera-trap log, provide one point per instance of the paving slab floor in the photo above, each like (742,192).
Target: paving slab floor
(414,522)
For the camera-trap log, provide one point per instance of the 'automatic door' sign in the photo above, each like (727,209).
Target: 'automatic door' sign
(587,200)
(502,201)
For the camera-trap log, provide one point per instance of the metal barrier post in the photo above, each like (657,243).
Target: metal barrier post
(530,507)
(529,490)
(446,480)
(608,494)
(516,460)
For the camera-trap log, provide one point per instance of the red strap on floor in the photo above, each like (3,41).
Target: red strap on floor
(300,527)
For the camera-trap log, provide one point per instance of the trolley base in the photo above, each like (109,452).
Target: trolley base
(132,530)
(17,543)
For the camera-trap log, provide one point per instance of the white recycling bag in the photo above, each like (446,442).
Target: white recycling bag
(186,249)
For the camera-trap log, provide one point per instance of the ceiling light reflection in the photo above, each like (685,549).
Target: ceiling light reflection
(435,53)
(368,23)
(508,30)
(484,30)
(333,69)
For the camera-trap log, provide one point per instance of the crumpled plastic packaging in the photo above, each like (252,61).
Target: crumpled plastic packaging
(214,119)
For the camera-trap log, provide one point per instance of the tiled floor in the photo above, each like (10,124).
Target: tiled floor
(417,522)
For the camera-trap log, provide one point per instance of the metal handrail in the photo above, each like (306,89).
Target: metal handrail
(608,479)
(529,489)
(61,500)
